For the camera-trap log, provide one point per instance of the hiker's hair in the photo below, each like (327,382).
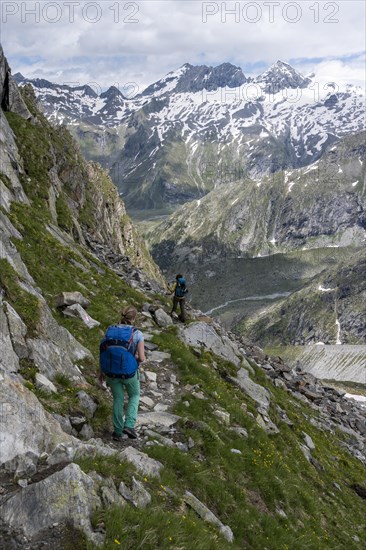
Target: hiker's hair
(128,315)
(179,276)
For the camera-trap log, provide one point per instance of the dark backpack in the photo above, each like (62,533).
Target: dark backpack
(117,352)
(181,288)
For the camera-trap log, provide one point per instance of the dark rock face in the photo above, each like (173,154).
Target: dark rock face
(10,97)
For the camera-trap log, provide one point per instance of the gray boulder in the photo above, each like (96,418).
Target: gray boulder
(76,310)
(64,422)
(206,514)
(25,425)
(52,359)
(146,465)
(137,495)
(44,384)
(86,432)
(308,441)
(66,496)
(18,331)
(87,403)
(260,394)
(10,96)
(162,318)
(70,298)
(158,356)
(204,335)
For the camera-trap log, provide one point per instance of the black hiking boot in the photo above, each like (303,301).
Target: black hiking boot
(130,432)
(117,437)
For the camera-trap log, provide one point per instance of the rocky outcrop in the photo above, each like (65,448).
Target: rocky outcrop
(67,496)
(25,425)
(203,335)
(10,97)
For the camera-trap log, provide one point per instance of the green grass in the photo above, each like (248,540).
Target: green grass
(271,473)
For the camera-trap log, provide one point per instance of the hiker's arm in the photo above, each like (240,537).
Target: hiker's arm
(101,376)
(141,352)
(172,287)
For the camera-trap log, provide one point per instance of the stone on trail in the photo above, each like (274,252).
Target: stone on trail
(66,496)
(147,401)
(149,345)
(161,438)
(162,318)
(207,515)
(156,418)
(76,310)
(158,356)
(146,465)
(161,407)
(151,376)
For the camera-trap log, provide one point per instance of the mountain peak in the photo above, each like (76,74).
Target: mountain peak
(281,76)
(18,77)
(195,78)
(112,93)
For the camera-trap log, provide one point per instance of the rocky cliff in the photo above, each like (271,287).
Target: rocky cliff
(235,448)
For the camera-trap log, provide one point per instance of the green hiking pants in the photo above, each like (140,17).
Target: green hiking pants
(118,386)
(181,302)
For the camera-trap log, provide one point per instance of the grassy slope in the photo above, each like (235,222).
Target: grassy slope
(245,491)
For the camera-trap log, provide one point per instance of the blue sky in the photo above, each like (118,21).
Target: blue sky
(109,42)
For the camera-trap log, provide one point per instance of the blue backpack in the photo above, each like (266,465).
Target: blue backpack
(181,288)
(117,352)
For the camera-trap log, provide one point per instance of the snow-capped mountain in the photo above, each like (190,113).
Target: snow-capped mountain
(280,77)
(199,127)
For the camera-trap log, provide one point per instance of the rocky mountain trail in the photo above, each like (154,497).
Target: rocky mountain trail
(220,423)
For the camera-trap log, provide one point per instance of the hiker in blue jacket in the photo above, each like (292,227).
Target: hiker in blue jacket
(180,290)
(119,365)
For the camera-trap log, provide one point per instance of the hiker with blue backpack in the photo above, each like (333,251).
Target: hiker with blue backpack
(180,290)
(118,364)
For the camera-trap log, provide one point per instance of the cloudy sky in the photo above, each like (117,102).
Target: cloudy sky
(113,42)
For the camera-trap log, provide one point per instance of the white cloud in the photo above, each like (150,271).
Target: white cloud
(170,33)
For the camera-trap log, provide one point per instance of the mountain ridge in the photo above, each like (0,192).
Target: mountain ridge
(181,136)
